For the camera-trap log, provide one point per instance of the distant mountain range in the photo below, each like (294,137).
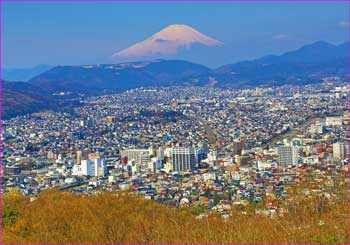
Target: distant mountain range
(308,64)
(305,65)
(97,78)
(23,74)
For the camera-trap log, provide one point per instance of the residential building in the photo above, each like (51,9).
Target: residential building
(339,150)
(183,158)
(288,155)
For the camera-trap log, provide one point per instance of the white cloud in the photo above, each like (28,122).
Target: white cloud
(344,23)
(281,37)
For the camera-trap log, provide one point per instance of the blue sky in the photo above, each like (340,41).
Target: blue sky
(89,33)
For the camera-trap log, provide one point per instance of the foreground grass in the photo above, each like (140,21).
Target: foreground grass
(62,218)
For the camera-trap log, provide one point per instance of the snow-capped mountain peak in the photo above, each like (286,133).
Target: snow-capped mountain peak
(167,42)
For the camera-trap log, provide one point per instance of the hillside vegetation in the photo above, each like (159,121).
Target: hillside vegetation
(118,217)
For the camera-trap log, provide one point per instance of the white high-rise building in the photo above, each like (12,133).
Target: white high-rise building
(96,167)
(183,158)
(339,150)
(288,155)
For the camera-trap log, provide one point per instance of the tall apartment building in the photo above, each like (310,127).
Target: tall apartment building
(288,155)
(339,150)
(183,158)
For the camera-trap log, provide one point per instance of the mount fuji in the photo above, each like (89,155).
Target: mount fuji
(168,42)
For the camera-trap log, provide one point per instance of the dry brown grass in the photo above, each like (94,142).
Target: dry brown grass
(61,218)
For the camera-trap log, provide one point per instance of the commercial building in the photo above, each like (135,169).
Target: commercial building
(111,119)
(334,121)
(141,156)
(96,167)
(317,128)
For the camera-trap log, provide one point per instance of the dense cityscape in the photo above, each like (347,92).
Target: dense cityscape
(201,147)
(175,122)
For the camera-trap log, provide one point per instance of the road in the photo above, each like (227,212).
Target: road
(208,130)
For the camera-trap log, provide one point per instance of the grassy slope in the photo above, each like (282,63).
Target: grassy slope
(58,217)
